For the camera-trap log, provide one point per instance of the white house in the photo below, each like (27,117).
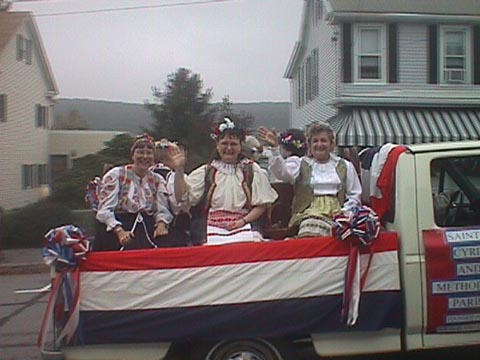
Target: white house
(27,93)
(388,71)
(30,152)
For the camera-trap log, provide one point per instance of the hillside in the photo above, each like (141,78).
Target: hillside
(119,116)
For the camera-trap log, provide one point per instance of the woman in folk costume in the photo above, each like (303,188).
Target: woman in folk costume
(133,203)
(232,190)
(324,184)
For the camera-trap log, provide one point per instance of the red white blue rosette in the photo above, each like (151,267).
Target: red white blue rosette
(65,246)
(361,222)
(360,226)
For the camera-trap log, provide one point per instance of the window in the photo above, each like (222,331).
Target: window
(315,71)
(370,53)
(34,175)
(3,107)
(43,174)
(41,116)
(28,52)
(456,191)
(307,79)
(24,49)
(301,86)
(455,54)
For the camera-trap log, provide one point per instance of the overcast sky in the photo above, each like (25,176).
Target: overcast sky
(239,48)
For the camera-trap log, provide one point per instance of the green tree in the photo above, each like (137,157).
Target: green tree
(74,121)
(182,112)
(242,118)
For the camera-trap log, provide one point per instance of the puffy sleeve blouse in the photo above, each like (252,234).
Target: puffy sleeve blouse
(324,179)
(229,193)
(123,190)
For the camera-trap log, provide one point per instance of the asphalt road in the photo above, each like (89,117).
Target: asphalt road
(21,316)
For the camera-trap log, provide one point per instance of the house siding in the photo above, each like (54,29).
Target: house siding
(412,68)
(21,143)
(319,37)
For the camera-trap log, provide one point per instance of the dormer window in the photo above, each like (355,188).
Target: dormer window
(369,53)
(455,54)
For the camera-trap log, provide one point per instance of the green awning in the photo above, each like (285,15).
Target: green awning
(373,126)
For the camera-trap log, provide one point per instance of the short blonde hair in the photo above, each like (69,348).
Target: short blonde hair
(318,127)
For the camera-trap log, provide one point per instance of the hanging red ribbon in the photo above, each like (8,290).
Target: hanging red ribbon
(359,226)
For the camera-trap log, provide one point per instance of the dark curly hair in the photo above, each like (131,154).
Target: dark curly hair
(294,141)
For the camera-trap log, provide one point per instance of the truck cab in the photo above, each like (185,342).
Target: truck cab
(436,213)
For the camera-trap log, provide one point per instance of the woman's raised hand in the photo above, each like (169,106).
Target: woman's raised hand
(177,157)
(268,136)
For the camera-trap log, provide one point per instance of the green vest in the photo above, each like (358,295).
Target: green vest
(303,191)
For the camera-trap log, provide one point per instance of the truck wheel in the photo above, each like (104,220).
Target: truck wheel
(244,350)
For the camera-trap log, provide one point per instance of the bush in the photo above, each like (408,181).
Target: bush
(26,227)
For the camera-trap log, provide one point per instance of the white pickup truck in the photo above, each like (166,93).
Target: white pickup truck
(249,300)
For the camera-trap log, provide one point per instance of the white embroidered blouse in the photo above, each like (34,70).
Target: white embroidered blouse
(123,190)
(229,194)
(324,180)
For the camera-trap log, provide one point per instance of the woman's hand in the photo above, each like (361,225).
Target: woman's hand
(268,136)
(236,224)
(124,237)
(161,229)
(178,158)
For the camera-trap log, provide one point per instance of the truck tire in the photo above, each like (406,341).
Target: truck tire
(244,350)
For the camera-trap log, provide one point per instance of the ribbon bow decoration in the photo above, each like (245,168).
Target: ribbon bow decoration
(360,226)
(63,250)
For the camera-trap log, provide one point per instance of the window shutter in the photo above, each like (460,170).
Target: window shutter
(392,53)
(476,54)
(432,54)
(347,52)
(19,47)
(28,52)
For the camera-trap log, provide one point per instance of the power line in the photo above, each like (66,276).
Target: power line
(130,8)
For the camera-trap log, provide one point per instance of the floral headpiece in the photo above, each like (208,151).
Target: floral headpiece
(287,138)
(226,125)
(143,140)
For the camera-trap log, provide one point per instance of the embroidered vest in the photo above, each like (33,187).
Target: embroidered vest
(303,191)
(210,185)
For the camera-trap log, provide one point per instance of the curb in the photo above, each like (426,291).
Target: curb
(19,269)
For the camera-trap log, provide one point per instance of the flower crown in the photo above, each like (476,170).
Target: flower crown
(287,139)
(226,125)
(144,139)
